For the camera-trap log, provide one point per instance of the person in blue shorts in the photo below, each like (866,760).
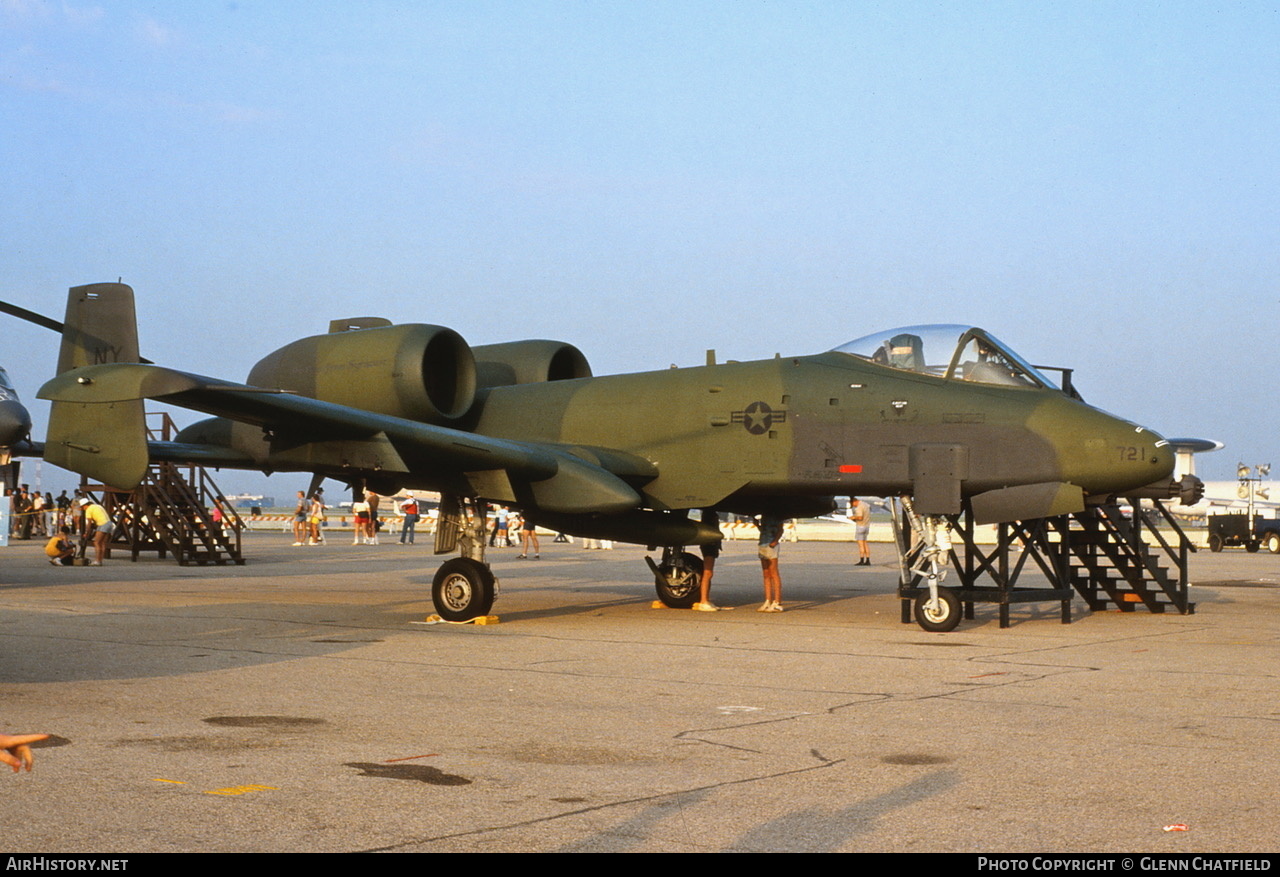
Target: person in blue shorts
(860,513)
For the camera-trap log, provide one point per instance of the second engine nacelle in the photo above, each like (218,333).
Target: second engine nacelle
(415,371)
(528,362)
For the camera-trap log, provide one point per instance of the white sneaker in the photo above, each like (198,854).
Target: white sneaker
(706,607)
(296,544)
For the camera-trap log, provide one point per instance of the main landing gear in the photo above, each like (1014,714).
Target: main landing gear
(464,587)
(678,577)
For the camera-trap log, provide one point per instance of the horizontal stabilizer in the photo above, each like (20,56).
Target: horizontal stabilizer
(120,383)
(106,442)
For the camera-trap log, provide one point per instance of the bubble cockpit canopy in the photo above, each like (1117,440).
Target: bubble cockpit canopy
(963,353)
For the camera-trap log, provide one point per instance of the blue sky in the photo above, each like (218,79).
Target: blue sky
(1095,183)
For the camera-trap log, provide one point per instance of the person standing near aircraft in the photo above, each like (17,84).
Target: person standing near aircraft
(300,520)
(64,510)
(860,514)
(709,555)
(22,513)
(770,539)
(501,535)
(529,533)
(316,516)
(37,514)
(360,511)
(409,508)
(98,527)
(371,525)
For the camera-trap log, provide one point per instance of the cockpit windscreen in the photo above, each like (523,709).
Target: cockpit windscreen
(963,353)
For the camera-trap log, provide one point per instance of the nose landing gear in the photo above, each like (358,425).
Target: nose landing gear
(938,609)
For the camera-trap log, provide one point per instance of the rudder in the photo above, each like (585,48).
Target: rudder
(101,326)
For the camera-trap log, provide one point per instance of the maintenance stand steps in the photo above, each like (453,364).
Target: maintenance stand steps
(1101,553)
(176,509)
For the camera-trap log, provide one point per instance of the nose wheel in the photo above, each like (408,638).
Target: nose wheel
(940,614)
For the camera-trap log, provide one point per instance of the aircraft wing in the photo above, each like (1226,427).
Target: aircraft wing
(96,428)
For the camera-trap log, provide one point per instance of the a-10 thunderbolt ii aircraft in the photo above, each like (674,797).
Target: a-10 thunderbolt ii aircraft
(939,416)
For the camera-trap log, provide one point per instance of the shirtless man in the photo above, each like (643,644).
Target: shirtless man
(371,524)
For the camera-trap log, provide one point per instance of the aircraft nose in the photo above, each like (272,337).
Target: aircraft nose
(1104,454)
(15,423)
(1153,458)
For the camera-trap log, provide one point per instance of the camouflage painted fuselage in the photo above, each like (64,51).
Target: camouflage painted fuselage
(739,434)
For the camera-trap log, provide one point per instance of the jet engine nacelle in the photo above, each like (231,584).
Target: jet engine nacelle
(528,362)
(416,371)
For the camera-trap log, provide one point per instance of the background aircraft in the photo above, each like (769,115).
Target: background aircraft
(1250,491)
(15,420)
(939,414)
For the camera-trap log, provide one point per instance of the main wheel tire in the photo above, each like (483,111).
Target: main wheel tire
(679,587)
(1215,543)
(1273,543)
(462,589)
(942,619)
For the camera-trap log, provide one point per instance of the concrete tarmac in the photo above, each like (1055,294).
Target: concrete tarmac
(291,705)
